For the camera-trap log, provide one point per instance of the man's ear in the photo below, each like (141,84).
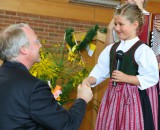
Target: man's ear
(23,50)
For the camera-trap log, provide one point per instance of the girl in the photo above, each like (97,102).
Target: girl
(111,36)
(128,106)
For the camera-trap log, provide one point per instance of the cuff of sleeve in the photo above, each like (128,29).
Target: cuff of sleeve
(140,87)
(80,100)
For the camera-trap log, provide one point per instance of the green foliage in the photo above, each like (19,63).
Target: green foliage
(55,67)
(82,45)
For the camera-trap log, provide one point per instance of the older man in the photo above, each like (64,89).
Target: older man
(26,103)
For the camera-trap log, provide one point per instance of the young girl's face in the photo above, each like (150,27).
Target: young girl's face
(124,28)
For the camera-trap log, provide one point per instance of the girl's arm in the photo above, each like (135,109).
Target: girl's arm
(101,70)
(148,73)
(109,36)
(119,76)
(89,81)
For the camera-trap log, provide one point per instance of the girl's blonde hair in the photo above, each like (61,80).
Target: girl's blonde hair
(133,13)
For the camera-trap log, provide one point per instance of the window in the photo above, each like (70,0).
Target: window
(103,3)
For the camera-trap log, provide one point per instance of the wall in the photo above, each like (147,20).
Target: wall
(64,9)
(59,8)
(50,18)
(47,27)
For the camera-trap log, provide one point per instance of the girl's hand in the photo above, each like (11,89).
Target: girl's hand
(119,76)
(111,25)
(139,3)
(85,82)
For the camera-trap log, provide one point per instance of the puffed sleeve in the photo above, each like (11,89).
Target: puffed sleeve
(48,113)
(101,70)
(148,67)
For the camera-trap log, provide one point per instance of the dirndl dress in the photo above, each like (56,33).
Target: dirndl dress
(126,107)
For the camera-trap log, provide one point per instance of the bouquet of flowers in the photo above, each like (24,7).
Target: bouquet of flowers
(61,69)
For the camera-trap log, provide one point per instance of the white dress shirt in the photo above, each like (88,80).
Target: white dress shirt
(144,57)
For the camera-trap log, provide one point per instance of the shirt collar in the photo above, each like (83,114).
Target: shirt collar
(14,65)
(145,12)
(127,44)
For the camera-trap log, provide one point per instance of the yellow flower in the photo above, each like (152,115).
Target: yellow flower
(74,48)
(58,98)
(81,63)
(59,68)
(34,73)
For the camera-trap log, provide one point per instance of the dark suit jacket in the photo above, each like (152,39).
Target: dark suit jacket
(26,103)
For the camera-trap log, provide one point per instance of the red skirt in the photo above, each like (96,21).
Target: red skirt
(121,108)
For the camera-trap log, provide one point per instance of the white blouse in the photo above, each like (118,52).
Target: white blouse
(144,56)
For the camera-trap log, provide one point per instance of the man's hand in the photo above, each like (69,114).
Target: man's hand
(85,93)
